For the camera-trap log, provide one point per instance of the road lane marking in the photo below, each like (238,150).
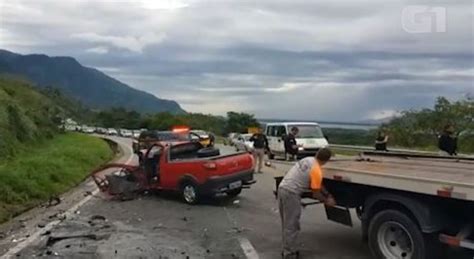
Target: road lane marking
(33,237)
(248,248)
(245,244)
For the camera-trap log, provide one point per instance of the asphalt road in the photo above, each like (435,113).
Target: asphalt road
(155,225)
(161,226)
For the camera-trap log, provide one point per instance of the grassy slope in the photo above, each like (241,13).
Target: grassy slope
(41,171)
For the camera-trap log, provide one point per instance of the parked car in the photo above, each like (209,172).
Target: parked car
(126,133)
(150,137)
(136,133)
(112,132)
(309,139)
(232,138)
(243,142)
(100,130)
(87,129)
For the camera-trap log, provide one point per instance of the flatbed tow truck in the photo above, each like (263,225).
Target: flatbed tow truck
(410,205)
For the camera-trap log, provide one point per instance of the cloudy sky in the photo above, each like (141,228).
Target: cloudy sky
(347,60)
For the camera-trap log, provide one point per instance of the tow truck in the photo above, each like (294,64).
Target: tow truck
(410,205)
(184,167)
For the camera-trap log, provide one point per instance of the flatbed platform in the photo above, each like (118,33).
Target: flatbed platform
(453,178)
(447,177)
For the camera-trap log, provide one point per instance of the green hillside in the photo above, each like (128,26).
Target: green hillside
(36,160)
(26,116)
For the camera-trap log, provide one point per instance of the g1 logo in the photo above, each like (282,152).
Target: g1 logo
(424,19)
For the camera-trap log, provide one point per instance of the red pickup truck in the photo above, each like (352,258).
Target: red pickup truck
(186,167)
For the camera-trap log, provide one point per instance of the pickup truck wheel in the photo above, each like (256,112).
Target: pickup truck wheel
(393,234)
(190,193)
(234,193)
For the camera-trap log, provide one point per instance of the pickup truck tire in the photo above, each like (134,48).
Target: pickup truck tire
(190,193)
(393,234)
(208,152)
(234,193)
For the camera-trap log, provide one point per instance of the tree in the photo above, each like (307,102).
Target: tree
(421,128)
(240,122)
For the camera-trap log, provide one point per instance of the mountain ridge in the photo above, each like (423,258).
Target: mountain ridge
(89,85)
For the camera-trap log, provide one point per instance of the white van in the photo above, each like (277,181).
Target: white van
(309,139)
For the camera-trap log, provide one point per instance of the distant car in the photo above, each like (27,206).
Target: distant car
(100,130)
(136,133)
(150,137)
(88,130)
(71,128)
(112,132)
(243,142)
(126,133)
(232,137)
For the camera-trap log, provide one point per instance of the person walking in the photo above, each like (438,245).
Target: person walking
(291,147)
(260,144)
(381,141)
(305,175)
(448,142)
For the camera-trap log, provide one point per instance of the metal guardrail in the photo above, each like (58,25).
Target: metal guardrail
(392,150)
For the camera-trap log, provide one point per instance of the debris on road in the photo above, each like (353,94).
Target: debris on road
(53,201)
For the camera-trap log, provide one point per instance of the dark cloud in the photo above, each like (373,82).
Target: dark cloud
(332,60)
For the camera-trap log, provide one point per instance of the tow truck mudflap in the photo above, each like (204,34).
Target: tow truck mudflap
(340,215)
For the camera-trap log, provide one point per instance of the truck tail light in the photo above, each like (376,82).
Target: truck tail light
(210,166)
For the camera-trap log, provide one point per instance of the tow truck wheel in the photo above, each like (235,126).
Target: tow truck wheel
(393,234)
(189,193)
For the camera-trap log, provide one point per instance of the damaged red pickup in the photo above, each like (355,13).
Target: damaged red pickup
(185,167)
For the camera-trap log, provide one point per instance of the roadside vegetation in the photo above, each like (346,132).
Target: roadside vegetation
(39,172)
(420,128)
(37,161)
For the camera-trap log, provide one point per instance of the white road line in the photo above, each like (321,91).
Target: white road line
(248,248)
(33,237)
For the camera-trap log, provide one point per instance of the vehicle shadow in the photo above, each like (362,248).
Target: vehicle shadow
(217,201)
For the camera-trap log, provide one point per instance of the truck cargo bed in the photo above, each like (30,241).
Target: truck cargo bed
(435,176)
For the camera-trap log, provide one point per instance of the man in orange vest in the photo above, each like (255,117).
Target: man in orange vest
(304,175)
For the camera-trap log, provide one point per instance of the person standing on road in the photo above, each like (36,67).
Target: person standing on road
(305,175)
(381,141)
(291,147)
(448,142)
(260,144)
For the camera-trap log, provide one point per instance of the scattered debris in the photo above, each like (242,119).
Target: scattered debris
(184,219)
(41,225)
(53,201)
(87,193)
(236,202)
(19,240)
(98,217)
(54,239)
